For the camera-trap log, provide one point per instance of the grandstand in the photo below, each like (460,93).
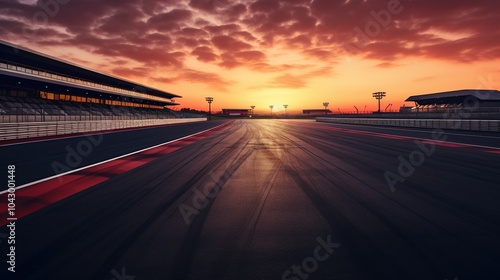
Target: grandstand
(477,100)
(36,87)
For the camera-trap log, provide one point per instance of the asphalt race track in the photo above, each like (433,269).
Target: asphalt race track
(271,199)
(37,161)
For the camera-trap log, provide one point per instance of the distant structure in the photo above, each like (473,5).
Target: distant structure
(316,111)
(405,109)
(236,112)
(479,100)
(379,95)
(210,100)
(325,104)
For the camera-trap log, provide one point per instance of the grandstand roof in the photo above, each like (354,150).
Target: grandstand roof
(32,59)
(456,96)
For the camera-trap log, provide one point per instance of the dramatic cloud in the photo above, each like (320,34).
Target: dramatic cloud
(169,21)
(227,43)
(263,36)
(212,79)
(205,54)
(384,30)
(295,81)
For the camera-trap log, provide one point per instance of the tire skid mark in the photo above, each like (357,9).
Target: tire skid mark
(434,195)
(327,210)
(338,223)
(236,264)
(230,266)
(184,259)
(413,243)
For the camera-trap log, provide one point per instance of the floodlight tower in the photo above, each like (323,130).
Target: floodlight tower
(271,107)
(325,104)
(209,100)
(253,107)
(379,95)
(285,106)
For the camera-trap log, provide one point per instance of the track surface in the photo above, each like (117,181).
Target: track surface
(41,159)
(286,200)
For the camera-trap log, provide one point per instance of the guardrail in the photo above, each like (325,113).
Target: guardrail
(458,124)
(481,113)
(39,129)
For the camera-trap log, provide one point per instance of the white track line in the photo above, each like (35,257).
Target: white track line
(422,131)
(426,139)
(106,161)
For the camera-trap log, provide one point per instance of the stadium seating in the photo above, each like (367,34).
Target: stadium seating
(33,109)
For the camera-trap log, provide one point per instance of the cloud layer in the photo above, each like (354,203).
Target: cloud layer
(246,34)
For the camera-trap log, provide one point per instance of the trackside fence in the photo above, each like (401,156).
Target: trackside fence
(40,129)
(459,124)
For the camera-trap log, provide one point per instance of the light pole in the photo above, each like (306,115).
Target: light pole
(325,104)
(209,100)
(285,106)
(271,107)
(44,96)
(378,96)
(253,107)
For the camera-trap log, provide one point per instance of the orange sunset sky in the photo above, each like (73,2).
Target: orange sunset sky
(271,52)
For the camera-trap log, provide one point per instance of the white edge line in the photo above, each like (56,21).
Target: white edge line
(416,130)
(441,141)
(438,141)
(105,161)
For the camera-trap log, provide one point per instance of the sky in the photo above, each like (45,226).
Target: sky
(271,52)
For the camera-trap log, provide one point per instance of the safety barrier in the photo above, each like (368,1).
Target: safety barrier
(40,129)
(458,124)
